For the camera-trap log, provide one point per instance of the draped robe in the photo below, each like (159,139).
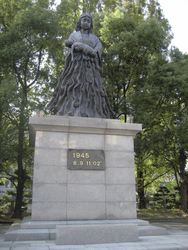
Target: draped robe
(80,90)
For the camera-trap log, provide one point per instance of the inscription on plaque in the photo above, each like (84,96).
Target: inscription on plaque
(82,159)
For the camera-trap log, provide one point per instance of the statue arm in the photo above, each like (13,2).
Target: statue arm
(68,43)
(95,51)
(71,40)
(98,48)
(86,49)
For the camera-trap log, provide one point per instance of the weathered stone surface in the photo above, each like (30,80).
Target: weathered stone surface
(51,140)
(122,176)
(151,230)
(88,123)
(120,159)
(65,124)
(49,211)
(83,141)
(50,192)
(49,174)
(96,234)
(86,209)
(50,157)
(29,230)
(86,177)
(63,194)
(120,210)
(86,192)
(31,235)
(120,193)
(117,142)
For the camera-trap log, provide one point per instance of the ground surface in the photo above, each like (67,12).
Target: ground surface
(146,214)
(176,238)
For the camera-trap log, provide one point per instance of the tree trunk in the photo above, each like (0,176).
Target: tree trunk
(19,197)
(21,172)
(141,193)
(183,188)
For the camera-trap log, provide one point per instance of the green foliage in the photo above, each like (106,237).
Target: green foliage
(135,40)
(164,116)
(163,198)
(5,203)
(130,45)
(140,79)
(29,31)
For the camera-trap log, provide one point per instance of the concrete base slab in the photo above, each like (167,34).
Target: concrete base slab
(27,223)
(97,231)
(176,238)
(96,234)
(151,230)
(28,235)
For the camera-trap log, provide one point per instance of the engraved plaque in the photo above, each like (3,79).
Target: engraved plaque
(83,159)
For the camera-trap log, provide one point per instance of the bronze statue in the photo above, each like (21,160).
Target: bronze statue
(80,90)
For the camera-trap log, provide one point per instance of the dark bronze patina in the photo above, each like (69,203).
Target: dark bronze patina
(80,90)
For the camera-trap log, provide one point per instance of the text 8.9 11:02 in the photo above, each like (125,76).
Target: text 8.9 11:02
(82,159)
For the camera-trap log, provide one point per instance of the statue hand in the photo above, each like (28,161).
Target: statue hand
(87,50)
(68,43)
(78,46)
(93,53)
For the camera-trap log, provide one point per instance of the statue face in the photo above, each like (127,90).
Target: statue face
(85,23)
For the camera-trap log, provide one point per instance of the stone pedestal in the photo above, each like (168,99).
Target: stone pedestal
(63,194)
(83,184)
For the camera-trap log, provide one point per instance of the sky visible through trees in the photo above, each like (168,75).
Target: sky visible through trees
(176,12)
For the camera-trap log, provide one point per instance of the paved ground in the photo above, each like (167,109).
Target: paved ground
(176,238)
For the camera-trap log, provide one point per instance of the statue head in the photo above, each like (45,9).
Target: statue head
(78,25)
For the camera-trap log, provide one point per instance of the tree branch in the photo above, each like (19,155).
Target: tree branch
(38,69)
(13,120)
(10,178)
(157,178)
(18,75)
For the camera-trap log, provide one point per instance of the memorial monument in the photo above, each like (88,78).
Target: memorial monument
(84,175)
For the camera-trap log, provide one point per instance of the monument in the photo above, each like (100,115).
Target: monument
(84,175)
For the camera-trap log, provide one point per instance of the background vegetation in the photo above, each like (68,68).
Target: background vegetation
(145,80)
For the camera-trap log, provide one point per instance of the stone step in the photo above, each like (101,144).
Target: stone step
(16,233)
(28,224)
(30,235)
(46,230)
(151,230)
(96,234)
(50,234)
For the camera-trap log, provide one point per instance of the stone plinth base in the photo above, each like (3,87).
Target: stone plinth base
(63,194)
(96,234)
(76,232)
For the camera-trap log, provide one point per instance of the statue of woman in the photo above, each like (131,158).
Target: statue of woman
(80,90)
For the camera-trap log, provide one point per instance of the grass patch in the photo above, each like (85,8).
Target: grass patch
(160,214)
(6,218)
